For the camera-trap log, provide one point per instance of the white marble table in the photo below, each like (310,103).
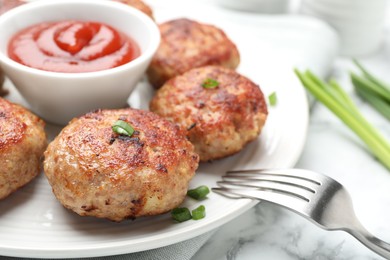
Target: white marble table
(270,232)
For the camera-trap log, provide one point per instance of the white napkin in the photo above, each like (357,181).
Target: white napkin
(181,251)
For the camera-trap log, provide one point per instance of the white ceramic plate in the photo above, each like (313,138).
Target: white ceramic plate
(34,224)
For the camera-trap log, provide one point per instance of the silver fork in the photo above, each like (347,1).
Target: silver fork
(316,197)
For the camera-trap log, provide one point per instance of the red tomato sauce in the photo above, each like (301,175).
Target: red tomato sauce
(72,46)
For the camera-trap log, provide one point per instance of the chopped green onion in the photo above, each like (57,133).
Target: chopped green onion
(199,213)
(272,98)
(210,83)
(199,193)
(181,214)
(333,97)
(123,128)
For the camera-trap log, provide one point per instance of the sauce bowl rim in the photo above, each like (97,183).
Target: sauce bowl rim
(152,27)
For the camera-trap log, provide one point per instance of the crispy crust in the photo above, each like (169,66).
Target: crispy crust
(22,143)
(219,121)
(187,44)
(96,172)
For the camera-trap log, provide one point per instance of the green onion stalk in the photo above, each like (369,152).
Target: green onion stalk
(373,90)
(338,101)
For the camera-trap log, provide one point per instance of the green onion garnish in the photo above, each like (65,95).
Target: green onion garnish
(199,193)
(181,214)
(199,213)
(272,99)
(338,101)
(210,83)
(122,128)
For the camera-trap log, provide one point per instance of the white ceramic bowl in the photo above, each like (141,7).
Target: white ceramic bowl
(260,6)
(359,23)
(58,97)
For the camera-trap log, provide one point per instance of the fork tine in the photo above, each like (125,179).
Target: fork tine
(305,184)
(292,190)
(225,192)
(290,202)
(310,176)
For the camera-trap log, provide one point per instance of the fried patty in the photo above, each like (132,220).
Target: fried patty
(140,5)
(22,143)
(6,5)
(219,120)
(96,172)
(187,44)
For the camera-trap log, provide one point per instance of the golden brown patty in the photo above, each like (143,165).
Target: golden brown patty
(22,143)
(140,5)
(219,121)
(187,44)
(6,5)
(96,172)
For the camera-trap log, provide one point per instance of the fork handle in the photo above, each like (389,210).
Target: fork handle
(375,244)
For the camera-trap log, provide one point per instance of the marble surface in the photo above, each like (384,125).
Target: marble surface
(270,232)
